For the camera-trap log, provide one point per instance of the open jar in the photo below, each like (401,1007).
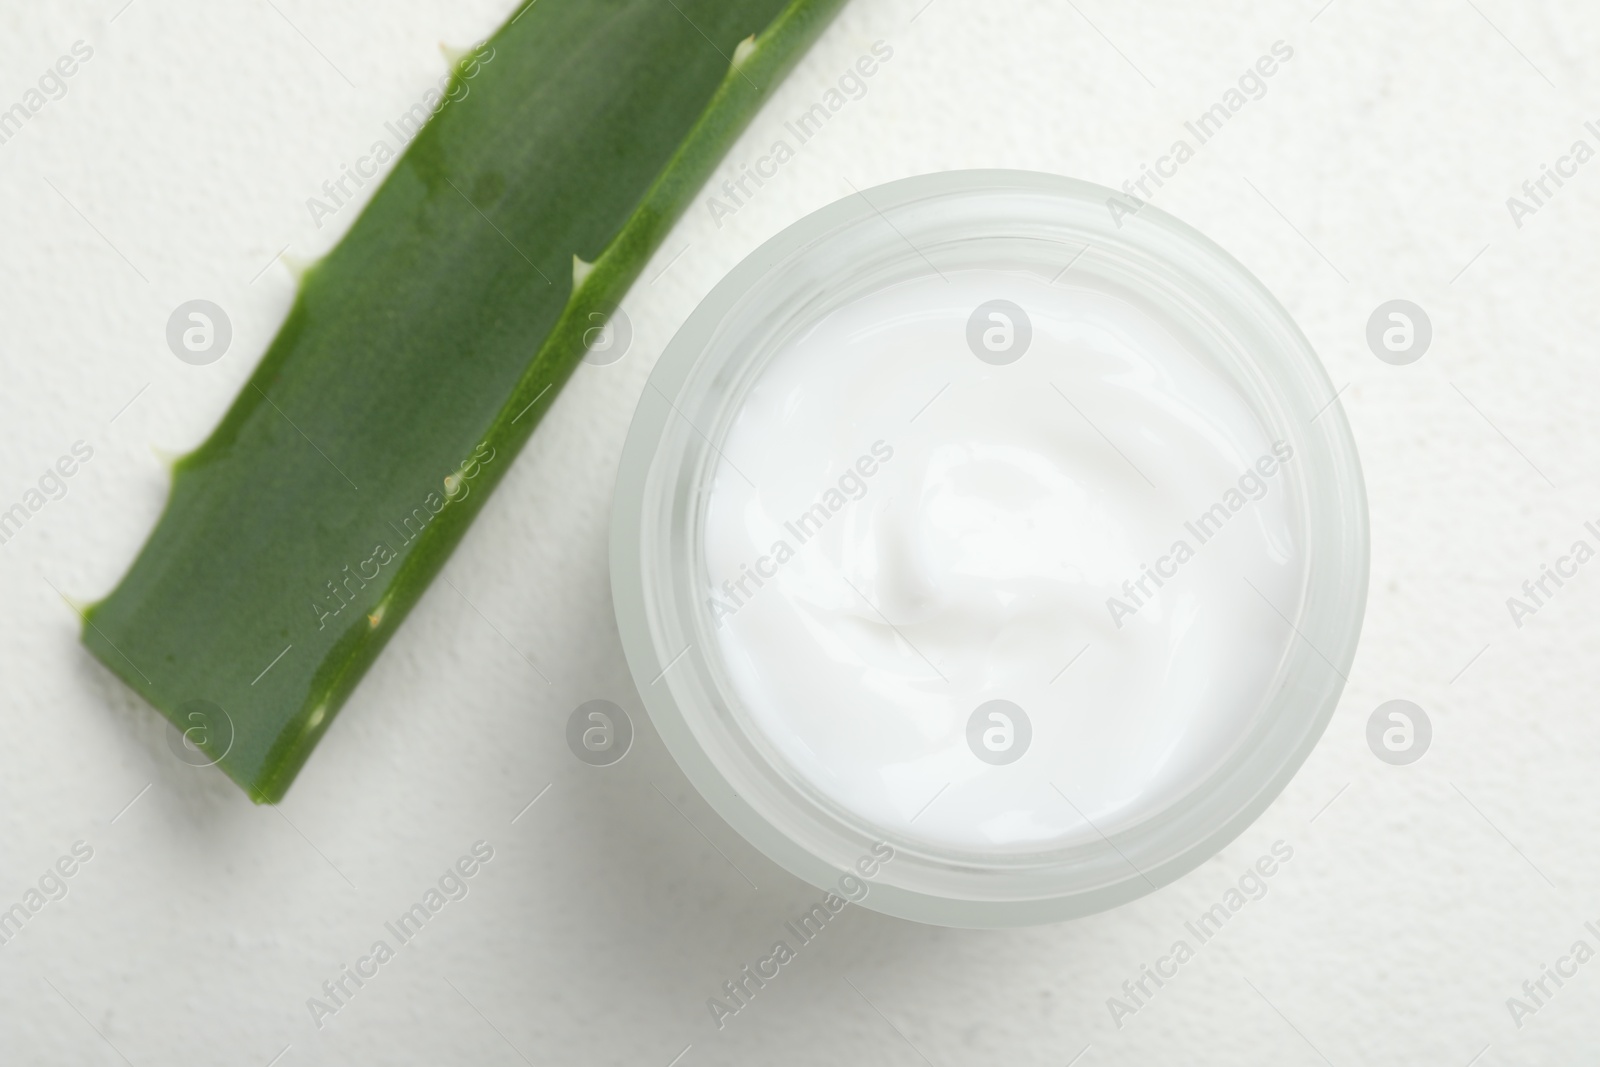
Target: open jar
(977,521)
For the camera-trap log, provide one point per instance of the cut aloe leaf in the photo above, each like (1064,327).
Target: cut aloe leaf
(418,357)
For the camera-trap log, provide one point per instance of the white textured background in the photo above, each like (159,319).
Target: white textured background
(1376,166)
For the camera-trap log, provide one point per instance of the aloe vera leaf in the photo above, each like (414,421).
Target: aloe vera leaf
(419,355)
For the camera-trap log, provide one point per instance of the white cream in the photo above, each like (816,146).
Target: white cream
(982,527)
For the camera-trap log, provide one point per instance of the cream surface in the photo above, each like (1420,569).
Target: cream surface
(1099,533)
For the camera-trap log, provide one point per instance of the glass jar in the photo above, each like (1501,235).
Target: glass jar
(1053,229)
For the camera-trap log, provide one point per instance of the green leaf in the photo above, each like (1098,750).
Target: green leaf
(418,357)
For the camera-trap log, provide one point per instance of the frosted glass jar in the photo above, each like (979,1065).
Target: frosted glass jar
(966,520)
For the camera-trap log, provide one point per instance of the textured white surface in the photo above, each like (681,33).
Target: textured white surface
(1376,166)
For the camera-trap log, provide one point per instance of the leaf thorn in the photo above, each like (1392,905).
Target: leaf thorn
(581,269)
(298,268)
